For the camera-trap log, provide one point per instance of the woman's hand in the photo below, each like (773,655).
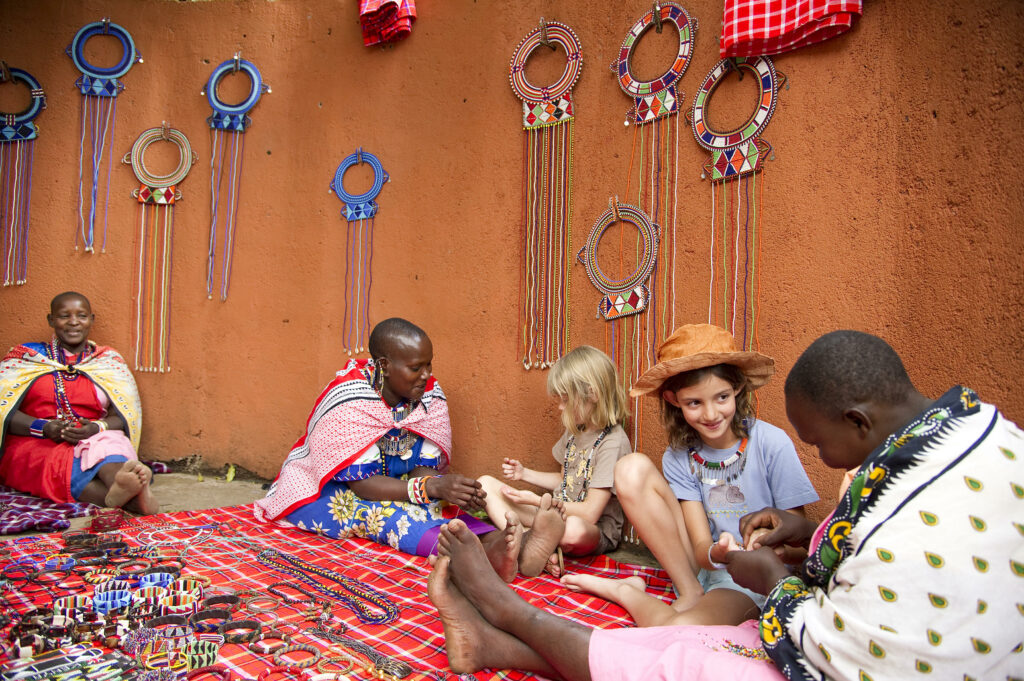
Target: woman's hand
(466,493)
(759,570)
(783,528)
(53,430)
(512,469)
(75,433)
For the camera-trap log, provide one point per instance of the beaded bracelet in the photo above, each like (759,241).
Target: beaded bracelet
(711,561)
(321,666)
(21,571)
(114,548)
(136,639)
(179,603)
(216,670)
(252,629)
(289,672)
(102,424)
(296,648)
(201,653)
(36,428)
(251,604)
(71,606)
(100,575)
(209,620)
(275,589)
(263,648)
(118,583)
(226,601)
(110,601)
(156,579)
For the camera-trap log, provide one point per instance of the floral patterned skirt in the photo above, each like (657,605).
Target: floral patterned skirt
(411,528)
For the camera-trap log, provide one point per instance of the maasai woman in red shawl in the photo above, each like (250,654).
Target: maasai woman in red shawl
(71,418)
(373,462)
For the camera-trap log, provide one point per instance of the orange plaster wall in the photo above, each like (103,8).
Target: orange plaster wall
(893,204)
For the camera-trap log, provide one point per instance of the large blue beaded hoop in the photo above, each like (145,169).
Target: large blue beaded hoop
(359,206)
(233,116)
(98,81)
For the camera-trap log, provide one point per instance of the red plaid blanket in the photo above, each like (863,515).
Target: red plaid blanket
(751,28)
(386,21)
(222,543)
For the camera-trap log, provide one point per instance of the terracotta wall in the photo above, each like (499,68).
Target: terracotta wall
(893,204)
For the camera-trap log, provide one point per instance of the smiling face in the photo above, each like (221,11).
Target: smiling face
(843,442)
(406,367)
(71,319)
(708,407)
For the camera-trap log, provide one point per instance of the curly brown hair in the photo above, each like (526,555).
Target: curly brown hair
(681,434)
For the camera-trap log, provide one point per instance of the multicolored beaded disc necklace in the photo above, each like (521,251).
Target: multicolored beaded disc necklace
(719,472)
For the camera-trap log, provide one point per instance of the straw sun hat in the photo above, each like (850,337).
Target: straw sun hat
(695,346)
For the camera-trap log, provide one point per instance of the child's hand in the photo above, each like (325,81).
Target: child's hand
(520,496)
(512,469)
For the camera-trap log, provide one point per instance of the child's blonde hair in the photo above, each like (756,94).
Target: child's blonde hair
(586,378)
(681,434)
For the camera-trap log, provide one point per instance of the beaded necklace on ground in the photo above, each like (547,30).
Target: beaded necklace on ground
(303,571)
(719,472)
(588,467)
(55,352)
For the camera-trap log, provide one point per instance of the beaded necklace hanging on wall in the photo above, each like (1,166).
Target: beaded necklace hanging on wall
(548,114)
(737,156)
(359,213)
(100,88)
(156,196)
(228,124)
(17,144)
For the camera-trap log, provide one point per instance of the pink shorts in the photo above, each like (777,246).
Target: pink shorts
(684,652)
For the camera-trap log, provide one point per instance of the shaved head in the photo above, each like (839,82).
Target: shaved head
(67,295)
(390,332)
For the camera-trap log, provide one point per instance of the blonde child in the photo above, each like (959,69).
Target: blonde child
(721,464)
(593,406)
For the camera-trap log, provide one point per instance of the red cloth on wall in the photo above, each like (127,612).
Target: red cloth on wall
(751,28)
(386,21)
(41,466)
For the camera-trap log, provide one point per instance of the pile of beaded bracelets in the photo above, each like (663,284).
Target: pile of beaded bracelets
(192,584)
(148,597)
(171,630)
(155,655)
(418,489)
(251,630)
(179,603)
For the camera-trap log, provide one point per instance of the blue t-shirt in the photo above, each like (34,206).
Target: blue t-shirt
(772,476)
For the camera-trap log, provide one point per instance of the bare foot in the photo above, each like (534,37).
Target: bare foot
(471,642)
(503,546)
(143,503)
(552,567)
(542,539)
(604,587)
(125,487)
(470,572)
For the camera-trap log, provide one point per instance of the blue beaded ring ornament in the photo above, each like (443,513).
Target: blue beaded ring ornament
(628,296)
(659,97)
(233,116)
(16,127)
(361,206)
(737,152)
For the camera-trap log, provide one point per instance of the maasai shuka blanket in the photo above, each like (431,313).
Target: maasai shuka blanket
(348,417)
(20,512)
(104,367)
(386,21)
(751,28)
(919,570)
(222,545)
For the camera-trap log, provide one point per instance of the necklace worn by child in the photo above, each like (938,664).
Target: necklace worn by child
(719,472)
(577,468)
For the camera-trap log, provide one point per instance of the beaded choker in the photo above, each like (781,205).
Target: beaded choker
(719,472)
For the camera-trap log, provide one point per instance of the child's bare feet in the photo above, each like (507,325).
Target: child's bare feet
(604,587)
(503,547)
(542,539)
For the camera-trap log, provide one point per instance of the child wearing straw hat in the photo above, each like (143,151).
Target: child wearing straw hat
(721,464)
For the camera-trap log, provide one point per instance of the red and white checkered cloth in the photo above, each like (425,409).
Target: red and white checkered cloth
(751,28)
(386,21)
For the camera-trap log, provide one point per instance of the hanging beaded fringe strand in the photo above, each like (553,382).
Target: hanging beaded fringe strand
(547,224)
(153,287)
(358,280)
(217,174)
(15,200)
(98,118)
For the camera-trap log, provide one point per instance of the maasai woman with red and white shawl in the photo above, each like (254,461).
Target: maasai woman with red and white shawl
(71,417)
(374,460)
